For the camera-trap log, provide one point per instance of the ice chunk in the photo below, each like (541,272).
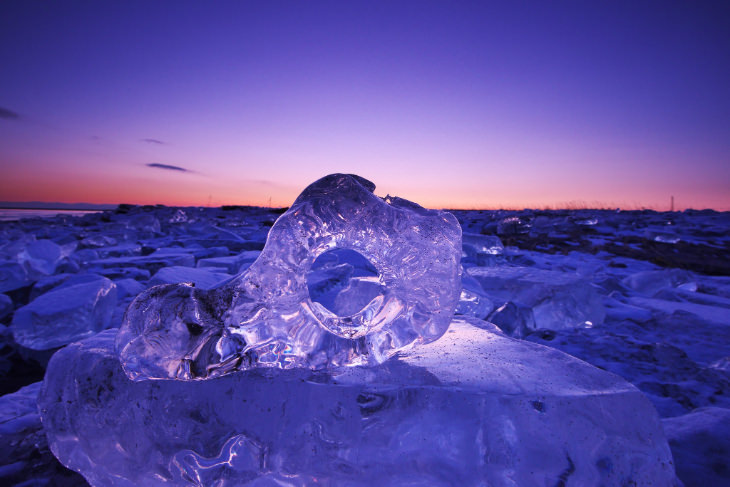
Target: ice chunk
(512,225)
(233,264)
(722,364)
(6,306)
(700,443)
(97,241)
(40,257)
(77,309)
(179,216)
(201,278)
(482,249)
(558,300)
(473,408)
(143,222)
(711,314)
(514,319)
(650,283)
(12,276)
(618,310)
(266,317)
(128,287)
(473,301)
(23,445)
(152,262)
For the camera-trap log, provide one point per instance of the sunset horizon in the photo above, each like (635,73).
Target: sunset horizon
(469,106)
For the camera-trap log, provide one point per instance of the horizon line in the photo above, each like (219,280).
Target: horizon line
(570,206)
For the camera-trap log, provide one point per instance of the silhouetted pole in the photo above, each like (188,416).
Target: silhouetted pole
(672,204)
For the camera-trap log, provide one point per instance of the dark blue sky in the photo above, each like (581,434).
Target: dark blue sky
(448,103)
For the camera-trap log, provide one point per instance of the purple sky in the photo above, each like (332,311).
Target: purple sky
(450,104)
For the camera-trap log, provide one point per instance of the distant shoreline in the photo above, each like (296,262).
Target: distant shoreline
(43,205)
(52,208)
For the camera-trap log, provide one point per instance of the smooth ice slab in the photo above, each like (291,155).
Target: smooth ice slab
(266,316)
(77,309)
(471,409)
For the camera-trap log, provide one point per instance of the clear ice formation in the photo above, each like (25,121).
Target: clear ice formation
(473,408)
(559,300)
(266,316)
(80,307)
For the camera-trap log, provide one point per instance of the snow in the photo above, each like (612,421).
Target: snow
(665,324)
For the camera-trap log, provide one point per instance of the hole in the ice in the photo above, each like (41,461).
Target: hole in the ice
(343,281)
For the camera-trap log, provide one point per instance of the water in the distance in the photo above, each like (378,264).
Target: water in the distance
(12,214)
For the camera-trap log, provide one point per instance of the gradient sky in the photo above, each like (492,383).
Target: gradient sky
(449,104)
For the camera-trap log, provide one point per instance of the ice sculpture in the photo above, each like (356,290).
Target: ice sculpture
(473,408)
(266,317)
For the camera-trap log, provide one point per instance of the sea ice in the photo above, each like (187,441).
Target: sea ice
(79,308)
(474,408)
(558,300)
(152,262)
(700,444)
(473,301)
(201,278)
(649,283)
(514,319)
(482,250)
(40,257)
(233,264)
(12,276)
(6,306)
(266,316)
(25,459)
(512,225)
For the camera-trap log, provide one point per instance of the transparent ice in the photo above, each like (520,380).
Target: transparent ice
(79,308)
(521,415)
(559,300)
(266,316)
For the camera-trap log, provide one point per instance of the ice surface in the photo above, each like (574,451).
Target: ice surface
(558,299)
(77,309)
(6,306)
(514,319)
(40,257)
(700,443)
(650,283)
(512,225)
(266,316)
(128,287)
(232,264)
(473,301)
(481,250)
(669,341)
(520,415)
(201,278)
(23,445)
(12,276)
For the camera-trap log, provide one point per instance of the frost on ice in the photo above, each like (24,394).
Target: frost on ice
(403,258)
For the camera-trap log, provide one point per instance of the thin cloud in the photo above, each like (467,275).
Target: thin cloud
(153,141)
(168,167)
(8,114)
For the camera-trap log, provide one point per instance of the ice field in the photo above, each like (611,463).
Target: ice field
(588,347)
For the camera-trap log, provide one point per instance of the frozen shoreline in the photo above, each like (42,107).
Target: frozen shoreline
(655,286)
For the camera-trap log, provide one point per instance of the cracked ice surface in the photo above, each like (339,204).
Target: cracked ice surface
(266,317)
